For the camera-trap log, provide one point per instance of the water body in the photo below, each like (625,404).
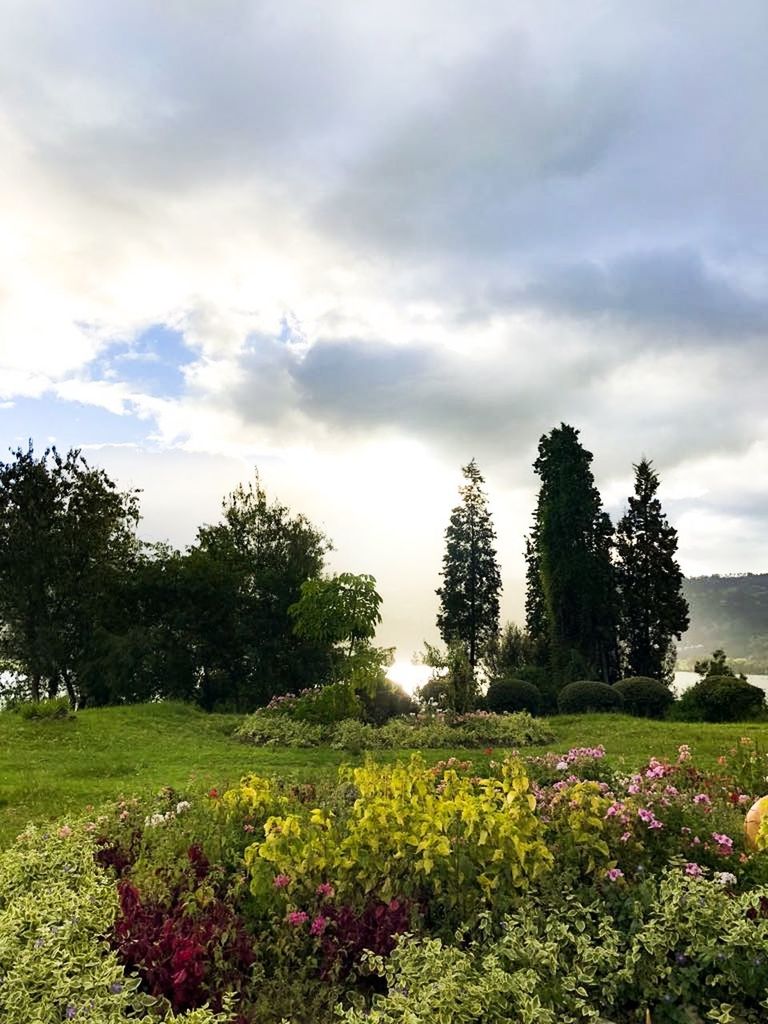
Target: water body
(684,680)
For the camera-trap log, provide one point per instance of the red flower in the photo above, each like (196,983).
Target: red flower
(213,793)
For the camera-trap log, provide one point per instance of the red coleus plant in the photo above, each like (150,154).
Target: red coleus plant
(347,932)
(191,955)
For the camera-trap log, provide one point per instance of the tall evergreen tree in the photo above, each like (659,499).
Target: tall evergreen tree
(571,583)
(535,606)
(469,596)
(653,610)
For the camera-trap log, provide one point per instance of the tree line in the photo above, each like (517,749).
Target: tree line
(245,613)
(248,612)
(602,602)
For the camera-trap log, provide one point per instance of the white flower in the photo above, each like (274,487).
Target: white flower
(182,805)
(725,878)
(561,766)
(154,820)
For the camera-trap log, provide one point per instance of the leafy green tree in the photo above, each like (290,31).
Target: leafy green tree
(717,667)
(507,652)
(242,575)
(469,596)
(571,582)
(343,611)
(67,540)
(652,608)
(453,686)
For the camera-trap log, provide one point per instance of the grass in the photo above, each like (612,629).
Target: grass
(51,768)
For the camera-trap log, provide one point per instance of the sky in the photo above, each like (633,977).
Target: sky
(355,245)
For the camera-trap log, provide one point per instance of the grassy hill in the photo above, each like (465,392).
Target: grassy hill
(729,612)
(49,769)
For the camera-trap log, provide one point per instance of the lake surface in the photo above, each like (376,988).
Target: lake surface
(684,680)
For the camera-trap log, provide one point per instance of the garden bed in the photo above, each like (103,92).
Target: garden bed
(544,889)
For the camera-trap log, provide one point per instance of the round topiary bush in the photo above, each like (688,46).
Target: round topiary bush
(644,697)
(721,699)
(588,695)
(513,695)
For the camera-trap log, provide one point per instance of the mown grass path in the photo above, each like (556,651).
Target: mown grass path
(48,769)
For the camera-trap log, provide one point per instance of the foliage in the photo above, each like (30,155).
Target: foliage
(56,905)
(343,611)
(587,695)
(411,833)
(716,667)
(323,705)
(652,608)
(507,652)
(422,732)
(469,596)
(721,699)
(647,698)
(504,695)
(683,950)
(571,591)
(191,949)
(387,701)
(45,710)
(453,686)
(66,542)
(264,729)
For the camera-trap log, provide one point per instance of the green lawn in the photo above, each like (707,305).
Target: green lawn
(50,768)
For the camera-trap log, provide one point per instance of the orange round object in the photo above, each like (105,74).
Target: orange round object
(755,815)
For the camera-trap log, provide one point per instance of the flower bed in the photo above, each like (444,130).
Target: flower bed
(545,889)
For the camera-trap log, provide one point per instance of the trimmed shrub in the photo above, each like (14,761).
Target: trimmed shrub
(513,695)
(644,697)
(588,695)
(721,699)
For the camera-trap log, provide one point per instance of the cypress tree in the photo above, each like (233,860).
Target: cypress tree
(653,610)
(469,596)
(571,584)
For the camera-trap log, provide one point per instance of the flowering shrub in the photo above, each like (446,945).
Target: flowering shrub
(418,732)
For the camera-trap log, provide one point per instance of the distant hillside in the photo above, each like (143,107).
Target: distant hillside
(729,612)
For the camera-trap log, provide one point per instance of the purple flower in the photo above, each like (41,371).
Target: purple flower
(116,988)
(71,1012)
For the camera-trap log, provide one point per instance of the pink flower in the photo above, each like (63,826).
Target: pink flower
(65,832)
(693,870)
(281,881)
(683,753)
(614,874)
(326,889)
(247,827)
(724,844)
(702,798)
(297,918)
(319,925)
(613,810)
(626,836)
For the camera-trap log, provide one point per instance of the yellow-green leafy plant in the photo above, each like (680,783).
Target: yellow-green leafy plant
(460,843)
(578,826)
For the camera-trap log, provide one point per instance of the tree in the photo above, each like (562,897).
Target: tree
(652,608)
(506,653)
(570,582)
(469,597)
(343,611)
(716,667)
(453,686)
(67,537)
(242,576)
